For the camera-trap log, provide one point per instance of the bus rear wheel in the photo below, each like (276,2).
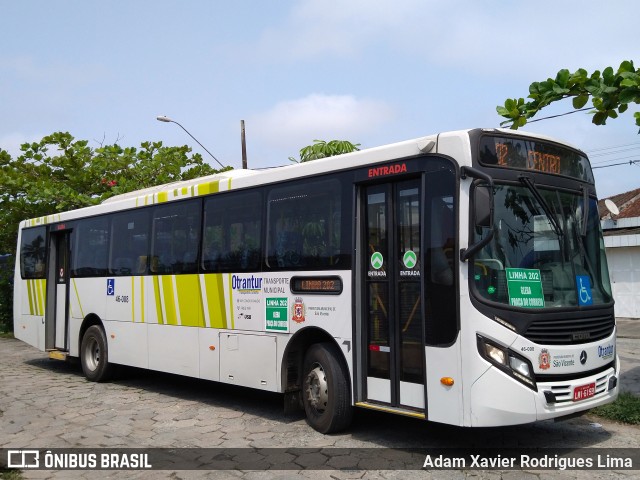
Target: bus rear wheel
(326,395)
(94,355)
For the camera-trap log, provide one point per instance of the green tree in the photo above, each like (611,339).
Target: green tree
(6,293)
(610,92)
(61,173)
(322,149)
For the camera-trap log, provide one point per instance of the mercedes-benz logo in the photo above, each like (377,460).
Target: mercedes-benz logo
(583,357)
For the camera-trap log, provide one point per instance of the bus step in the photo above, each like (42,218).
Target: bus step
(57,355)
(396,410)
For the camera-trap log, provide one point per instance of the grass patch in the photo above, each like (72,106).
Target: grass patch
(6,335)
(11,475)
(625,409)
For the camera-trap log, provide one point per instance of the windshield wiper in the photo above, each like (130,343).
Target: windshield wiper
(585,211)
(526,181)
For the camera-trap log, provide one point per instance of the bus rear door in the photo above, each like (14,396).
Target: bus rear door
(56,314)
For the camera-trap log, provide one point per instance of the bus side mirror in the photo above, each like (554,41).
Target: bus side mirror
(482,207)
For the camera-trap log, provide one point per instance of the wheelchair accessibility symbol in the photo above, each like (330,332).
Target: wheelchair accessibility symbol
(583,283)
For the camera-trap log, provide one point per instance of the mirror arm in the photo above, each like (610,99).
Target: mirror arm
(466,253)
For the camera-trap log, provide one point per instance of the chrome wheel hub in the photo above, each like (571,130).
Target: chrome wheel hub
(317,390)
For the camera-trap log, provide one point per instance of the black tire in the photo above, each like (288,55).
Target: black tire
(326,392)
(94,355)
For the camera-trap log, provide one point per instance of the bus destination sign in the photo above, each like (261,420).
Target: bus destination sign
(526,154)
(329,285)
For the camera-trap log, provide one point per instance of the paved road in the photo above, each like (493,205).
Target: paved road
(48,404)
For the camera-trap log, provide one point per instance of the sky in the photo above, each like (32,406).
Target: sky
(369,71)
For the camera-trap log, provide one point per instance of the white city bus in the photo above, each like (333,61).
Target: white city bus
(458,278)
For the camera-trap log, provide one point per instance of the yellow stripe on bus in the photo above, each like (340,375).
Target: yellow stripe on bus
(210,187)
(42,285)
(190,300)
(156,289)
(36,297)
(30,295)
(233,320)
(215,298)
(133,300)
(142,299)
(169,299)
(77,296)
(34,293)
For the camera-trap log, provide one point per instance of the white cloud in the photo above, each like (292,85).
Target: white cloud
(515,39)
(317,28)
(319,116)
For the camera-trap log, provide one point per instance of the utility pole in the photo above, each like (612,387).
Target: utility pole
(244,145)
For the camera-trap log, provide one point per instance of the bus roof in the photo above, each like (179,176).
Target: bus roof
(453,143)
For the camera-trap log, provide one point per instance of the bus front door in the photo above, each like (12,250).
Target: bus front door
(392,316)
(56,315)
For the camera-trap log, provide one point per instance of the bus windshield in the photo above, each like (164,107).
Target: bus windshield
(547,250)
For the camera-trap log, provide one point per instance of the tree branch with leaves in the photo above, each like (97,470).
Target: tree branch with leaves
(323,149)
(61,173)
(611,92)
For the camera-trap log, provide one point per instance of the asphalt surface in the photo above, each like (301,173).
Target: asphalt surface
(49,404)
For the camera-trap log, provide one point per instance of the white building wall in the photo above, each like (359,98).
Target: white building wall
(624,269)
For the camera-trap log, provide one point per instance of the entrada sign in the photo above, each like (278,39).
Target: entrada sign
(388,170)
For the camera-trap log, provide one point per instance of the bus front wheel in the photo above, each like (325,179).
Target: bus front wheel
(94,356)
(326,395)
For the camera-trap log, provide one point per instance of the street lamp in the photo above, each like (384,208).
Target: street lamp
(164,118)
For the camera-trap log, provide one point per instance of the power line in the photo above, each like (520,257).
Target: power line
(613,152)
(560,115)
(612,147)
(615,159)
(630,162)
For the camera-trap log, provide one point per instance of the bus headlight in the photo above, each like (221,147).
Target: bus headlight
(508,361)
(496,354)
(520,366)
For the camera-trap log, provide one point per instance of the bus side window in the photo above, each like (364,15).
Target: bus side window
(441,244)
(33,252)
(130,242)
(304,225)
(441,304)
(92,247)
(176,233)
(232,232)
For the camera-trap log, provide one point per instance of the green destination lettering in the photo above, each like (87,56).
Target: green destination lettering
(525,288)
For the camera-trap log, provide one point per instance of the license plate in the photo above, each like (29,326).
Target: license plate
(584,391)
